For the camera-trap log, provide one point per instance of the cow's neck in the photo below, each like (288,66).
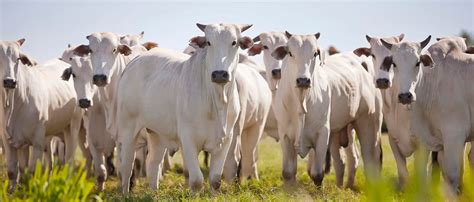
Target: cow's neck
(219,97)
(426,88)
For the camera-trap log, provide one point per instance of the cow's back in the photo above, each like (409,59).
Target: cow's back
(149,87)
(344,74)
(61,95)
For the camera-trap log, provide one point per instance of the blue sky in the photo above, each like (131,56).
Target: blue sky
(49,26)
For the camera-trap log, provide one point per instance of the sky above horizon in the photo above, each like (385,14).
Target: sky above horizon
(49,26)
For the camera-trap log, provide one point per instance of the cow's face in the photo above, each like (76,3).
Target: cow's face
(221,43)
(10,59)
(303,53)
(81,73)
(269,41)
(131,40)
(104,49)
(383,73)
(407,61)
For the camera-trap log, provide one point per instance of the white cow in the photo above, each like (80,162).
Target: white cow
(39,100)
(99,101)
(269,41)
(396,117)
(435,89)
(189,102)
(323,100)
(255,99)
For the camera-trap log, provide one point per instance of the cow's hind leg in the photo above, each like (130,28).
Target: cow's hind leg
(154,160)
(250,139)
(352,160)
(127,138)
(336,156)
(367,133)
(453,152)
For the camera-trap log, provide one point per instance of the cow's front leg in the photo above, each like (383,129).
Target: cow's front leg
(233,157)
(190,157)
(218,157)
(317,171)
(12,165)
(289,160)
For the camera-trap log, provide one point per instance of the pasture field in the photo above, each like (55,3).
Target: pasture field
(270,186)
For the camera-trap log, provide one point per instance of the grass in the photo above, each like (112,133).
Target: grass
(270,186)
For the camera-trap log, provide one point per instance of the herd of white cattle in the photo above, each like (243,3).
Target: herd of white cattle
(146,103)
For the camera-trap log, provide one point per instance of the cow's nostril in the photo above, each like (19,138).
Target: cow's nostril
(225,75)
(276,73)
(303,82)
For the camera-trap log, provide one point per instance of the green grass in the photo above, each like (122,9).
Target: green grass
(270,186)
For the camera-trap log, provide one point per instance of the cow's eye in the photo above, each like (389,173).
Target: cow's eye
(70,59)
(418,64)
(316,53)
(113,51)
(394,65)
(73,75)
(289,53)
(209,43)
(234,42)
(265,47)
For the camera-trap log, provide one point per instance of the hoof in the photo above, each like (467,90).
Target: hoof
(318,179)
(289,177)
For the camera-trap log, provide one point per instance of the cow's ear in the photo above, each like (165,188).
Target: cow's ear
(82,50)
(124,50)
(20,41)
(245,42)
(400,37)
(198,42)
(363,51)
(470,50)
(141,34)
(26,60)
(280,52)
(317,35)
(150,45)
(332,50)
(67,74)
(255,50)
(427,60)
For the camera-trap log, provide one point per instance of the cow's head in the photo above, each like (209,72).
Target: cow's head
(383,73)
(221,43)
(303,53)
(131,40)
(81,73)
(269,41)
(407,60)
(104,49)
(10,59)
